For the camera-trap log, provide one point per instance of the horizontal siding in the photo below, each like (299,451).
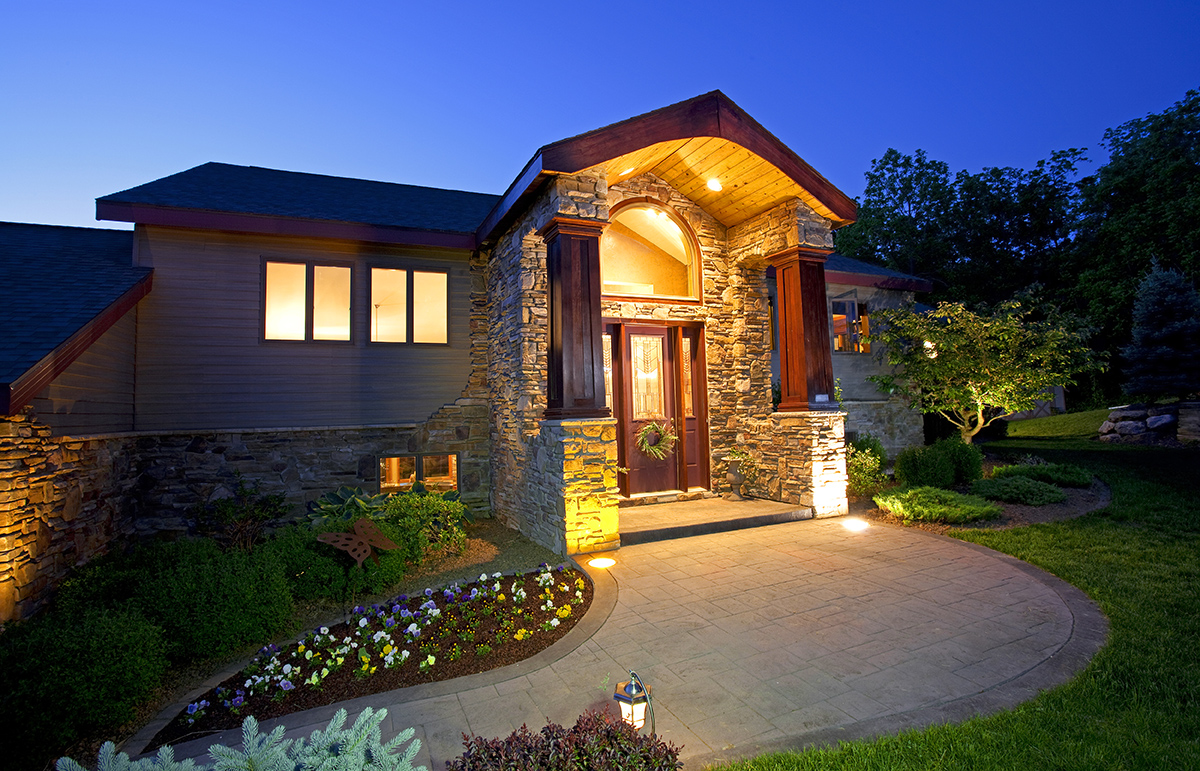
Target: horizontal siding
(94,394)
(202,364)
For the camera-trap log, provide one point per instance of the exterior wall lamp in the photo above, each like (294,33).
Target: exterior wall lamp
(634,698)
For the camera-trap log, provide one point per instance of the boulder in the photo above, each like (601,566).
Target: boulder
(1159,422)
(1107,427)
(1127,414)
(1131,427)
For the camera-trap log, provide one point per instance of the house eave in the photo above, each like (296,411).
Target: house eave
(204,219)
(15,395)
(880,282)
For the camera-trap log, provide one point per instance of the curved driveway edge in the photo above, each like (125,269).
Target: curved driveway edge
(1087,635)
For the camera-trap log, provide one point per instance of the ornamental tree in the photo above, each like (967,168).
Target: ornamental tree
(975,367)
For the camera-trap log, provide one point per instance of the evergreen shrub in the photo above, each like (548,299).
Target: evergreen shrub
(65,676)
(934,504)
(1061,474)
(211,602)
(966,459)
(1018,489)
(918,467)
(358,748)
(597,740)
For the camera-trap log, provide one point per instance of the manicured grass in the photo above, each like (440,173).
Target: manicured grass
(1083,425)
(1137,705)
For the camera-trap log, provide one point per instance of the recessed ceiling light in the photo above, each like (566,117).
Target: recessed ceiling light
(628,171)
(714,185)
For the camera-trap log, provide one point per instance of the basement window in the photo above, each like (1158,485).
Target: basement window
(438,473)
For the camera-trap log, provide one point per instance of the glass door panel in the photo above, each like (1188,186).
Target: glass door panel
(649,381)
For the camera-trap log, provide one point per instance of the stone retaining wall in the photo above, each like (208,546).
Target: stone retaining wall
(62,502)
(1139,424)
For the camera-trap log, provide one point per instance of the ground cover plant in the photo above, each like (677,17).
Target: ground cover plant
(934,504)
(1018,489)
(1061,474)
(1137,704)
(434,635)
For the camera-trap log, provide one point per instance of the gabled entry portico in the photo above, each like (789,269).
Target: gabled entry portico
(627,283)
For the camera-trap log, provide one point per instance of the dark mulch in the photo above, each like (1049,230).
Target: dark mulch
(442,635)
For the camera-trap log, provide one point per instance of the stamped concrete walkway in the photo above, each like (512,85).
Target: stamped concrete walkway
(774,638)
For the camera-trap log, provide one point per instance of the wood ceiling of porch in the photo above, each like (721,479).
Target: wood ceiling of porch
(750,185)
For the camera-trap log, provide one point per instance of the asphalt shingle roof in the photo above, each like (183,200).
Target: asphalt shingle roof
(841,264)
(253,190)
(53,281)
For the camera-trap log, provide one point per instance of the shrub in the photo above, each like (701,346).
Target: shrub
(67,675)
(238,521)
(211,602)
(427,520)
(357,748)
(1018,489)
(933,504)
(918,467)
(966,459)
(597,740)
(868,443)
(864,470)
(312,570)
(1061,474)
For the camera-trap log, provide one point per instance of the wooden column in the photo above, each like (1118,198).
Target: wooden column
(575,387)
(805,362)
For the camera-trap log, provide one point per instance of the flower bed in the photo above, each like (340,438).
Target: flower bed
(436,635)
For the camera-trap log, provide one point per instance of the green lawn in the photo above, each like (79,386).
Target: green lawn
(1137,705)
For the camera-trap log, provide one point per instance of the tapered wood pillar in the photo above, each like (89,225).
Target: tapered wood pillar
(805,361)
(575,387)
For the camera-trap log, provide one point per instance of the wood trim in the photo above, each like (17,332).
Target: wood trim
(523,188)
(20,392)
(811,253)
(167,216)
(575,380)
(709,115)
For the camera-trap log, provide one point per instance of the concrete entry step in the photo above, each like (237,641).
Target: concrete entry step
(684,519)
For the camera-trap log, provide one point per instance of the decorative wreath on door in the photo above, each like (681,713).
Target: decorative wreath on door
(656,440)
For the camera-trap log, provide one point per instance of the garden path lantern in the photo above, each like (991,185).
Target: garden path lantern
(634,698)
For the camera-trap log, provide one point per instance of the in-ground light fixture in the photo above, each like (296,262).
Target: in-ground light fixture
(634,698)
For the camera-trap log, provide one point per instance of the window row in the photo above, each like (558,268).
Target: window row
(304,301)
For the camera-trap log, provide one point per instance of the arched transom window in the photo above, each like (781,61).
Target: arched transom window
(646,251)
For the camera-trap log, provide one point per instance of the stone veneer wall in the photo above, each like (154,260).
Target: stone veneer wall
(896,424)
(533,461)
(801,459)
(62,502)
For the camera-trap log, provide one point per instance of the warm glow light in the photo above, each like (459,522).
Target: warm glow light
(627,171)
(714,185)
(855,525)
(602,562)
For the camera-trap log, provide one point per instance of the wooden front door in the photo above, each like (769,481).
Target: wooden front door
(656,374)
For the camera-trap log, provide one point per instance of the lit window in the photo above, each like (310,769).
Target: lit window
(850,326)
(394,292)
(389,305)
(646,251)
(437,473)
(291,312)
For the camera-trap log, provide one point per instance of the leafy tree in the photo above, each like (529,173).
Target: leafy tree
(1164,358)
(1141,207)
(979,237)
(973,367)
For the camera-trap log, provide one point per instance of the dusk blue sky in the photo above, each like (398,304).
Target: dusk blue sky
(100,97)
